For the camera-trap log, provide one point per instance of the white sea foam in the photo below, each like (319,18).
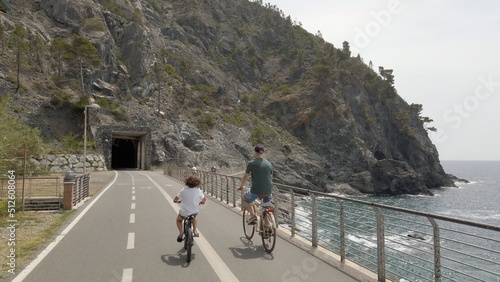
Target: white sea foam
(302,212)
(362,241)
(418,196)
(472,215)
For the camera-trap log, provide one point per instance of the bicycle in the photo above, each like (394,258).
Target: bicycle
(266,225)
(188,235)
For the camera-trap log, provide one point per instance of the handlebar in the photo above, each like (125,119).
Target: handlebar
(201,203)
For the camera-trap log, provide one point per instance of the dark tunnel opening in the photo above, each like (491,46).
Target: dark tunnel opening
(124,153)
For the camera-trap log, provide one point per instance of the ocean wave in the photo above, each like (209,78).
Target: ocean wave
(473,215)
(418,196)
(400,243)
(362,241)
(459,183)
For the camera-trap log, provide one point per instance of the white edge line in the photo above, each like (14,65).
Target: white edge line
(218,265)
(56,241)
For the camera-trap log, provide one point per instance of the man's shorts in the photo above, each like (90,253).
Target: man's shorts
(250,197)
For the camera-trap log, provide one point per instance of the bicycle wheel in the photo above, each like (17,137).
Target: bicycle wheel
(249,230)
(188,242)
(186,227)
(268,232)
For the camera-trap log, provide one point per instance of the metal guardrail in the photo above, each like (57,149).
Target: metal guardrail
(81,188)
(395,243)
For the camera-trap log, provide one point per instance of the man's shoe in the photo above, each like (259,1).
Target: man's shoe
(252,220)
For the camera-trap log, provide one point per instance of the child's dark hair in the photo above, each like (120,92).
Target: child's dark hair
(192,181)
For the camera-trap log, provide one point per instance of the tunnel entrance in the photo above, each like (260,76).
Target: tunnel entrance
(128,150)
(123,153)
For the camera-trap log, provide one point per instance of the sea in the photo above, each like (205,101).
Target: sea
(478,200)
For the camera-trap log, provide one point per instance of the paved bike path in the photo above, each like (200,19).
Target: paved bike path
(129,233)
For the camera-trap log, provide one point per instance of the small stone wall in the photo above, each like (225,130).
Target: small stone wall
(64,163)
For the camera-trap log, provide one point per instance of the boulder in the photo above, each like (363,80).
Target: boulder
(395,177)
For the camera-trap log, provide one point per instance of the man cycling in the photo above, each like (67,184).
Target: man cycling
(261,171)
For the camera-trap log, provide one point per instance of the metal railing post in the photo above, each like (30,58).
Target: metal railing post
(277,211)
(437,249)
(234,192)
(292,211)
(216,187)
(342,230)
(227,190)
(314,219)
(206,180)
(380,245)
(212,187)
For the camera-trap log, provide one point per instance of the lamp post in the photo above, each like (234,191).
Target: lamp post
(93,105)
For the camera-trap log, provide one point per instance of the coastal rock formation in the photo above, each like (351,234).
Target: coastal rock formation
(213,78)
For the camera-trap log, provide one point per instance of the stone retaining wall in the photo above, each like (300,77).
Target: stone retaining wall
(69,162)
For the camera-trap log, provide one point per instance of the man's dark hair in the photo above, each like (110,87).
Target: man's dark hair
(260,149)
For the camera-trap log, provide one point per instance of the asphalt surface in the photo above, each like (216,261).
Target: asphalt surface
(127,232)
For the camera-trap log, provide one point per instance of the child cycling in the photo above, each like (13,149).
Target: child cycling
(189,198)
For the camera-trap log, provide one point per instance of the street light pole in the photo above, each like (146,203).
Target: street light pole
(93,105)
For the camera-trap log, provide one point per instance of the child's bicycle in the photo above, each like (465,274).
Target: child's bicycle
(265,226)
(188,235)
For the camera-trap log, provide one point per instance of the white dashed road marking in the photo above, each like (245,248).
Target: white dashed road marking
(131,241)
(127,275)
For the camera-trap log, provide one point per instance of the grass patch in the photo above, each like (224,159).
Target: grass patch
(33,231)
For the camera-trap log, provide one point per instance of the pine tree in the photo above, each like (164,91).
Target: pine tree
(18,40)
(59,48)
(84,54)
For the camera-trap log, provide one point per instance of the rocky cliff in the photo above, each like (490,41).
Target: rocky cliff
(213,77)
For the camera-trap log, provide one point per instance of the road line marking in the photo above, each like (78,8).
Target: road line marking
(58,239)
(132,206)
(133,187)
(127,275)
(132,218)
(133,198)
(130,241)
(133,192)
(217,264)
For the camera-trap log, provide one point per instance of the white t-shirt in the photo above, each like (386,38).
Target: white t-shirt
(190,200)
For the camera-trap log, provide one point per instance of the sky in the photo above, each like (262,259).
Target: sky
(445,55)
